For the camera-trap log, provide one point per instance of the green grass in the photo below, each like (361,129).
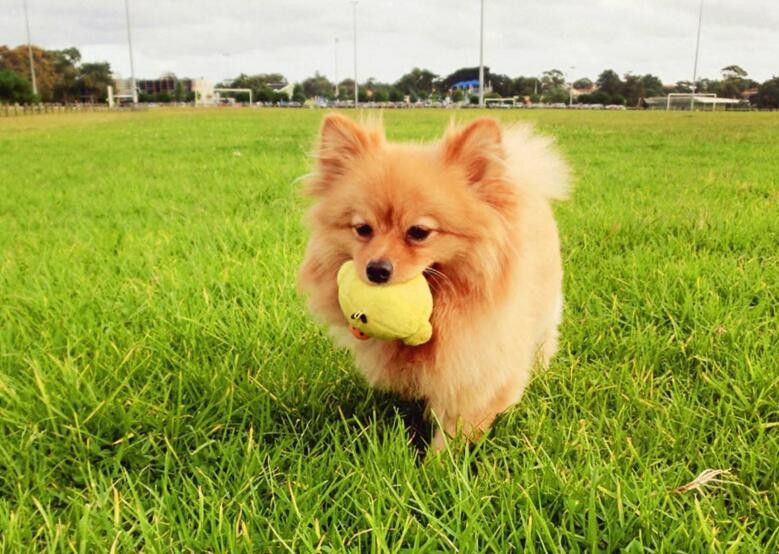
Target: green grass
(162,387)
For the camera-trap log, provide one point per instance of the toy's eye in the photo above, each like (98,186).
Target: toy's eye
(364,318)
(363,230)
(417,233)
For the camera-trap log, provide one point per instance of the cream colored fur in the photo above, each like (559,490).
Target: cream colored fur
(485,346)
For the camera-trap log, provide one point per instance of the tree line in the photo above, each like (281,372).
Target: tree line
(549,87)
(62,76)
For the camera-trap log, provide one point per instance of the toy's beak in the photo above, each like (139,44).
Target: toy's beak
(357,333)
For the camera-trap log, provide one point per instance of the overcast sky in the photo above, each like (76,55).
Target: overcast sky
(216,39)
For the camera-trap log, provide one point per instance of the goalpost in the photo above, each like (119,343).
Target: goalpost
(236,90)
(510,102)
(691,95)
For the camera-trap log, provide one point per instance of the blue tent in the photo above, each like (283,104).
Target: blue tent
(466,84)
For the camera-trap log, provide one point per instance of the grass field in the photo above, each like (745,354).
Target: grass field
(162,388)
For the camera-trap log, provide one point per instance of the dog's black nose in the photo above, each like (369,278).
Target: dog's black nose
(379,271)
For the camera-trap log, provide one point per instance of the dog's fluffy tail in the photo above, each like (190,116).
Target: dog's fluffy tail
(534,162)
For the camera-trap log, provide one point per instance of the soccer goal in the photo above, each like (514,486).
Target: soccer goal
(500,102)
(236,90)
(703,98)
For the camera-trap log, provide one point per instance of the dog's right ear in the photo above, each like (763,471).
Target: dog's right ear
(341,141)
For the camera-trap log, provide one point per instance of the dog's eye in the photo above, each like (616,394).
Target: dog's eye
(417,233)
(364,230)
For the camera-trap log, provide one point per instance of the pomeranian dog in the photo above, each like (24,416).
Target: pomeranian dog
(472,213)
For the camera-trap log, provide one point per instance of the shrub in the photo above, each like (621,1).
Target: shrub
(15,89)
(768,94)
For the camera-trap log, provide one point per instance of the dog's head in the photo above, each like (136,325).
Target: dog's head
(398,209)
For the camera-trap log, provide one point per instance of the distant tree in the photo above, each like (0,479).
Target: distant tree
(242,97)
(178,93)
(318,85)
(65,62)
(94,80)
(346,89)
(380,95)
(768,94)
(297,94)
(556,95)
(552,79)
(584,99)
(705,85)
(279,96)
(597,97)
(609,82)
(727,88)
(583,84)
(261,84)
(417,82)
(395,95)
(264,94)
(637,87)
(14,88)
(502,85)
(378,91)
(633,89)
(734,82)
(653,86)
(457,96)
(683,86)
(524,86)
(733,72)
(257,81)
(17,60)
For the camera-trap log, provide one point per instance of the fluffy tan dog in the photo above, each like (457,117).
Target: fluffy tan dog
(470,211)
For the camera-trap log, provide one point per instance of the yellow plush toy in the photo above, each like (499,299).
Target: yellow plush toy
(386,312)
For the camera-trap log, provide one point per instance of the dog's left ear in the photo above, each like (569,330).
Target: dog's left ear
(477,147)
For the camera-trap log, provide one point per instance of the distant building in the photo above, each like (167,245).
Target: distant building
(576,92)
(749,93)
(682,102)
(204,92)
(287,88)
(165,84)
(123,89)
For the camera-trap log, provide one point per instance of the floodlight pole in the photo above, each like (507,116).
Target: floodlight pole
(570,88)
(481,58)
(695,65)
(130,46)
(354,16)
(29,51)
(336,68)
